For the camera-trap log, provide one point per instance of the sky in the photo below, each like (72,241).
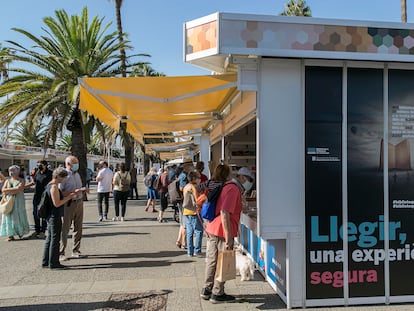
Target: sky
(155,27)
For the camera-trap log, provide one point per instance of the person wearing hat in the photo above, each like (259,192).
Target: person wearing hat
(224,228)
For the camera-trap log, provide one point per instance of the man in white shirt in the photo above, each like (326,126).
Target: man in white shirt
(104,179)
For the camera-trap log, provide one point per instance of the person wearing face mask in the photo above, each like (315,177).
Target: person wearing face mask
(224,228)
(56,200)
(41,178)
(73,210)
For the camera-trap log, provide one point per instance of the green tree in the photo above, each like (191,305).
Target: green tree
(296,8)
(127,140)
(4,61)
(145,70)
(71,48)
(64,143)
(28,135)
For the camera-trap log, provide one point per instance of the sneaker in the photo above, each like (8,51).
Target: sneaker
(33,235)
(62,258)
(222,298)
(115,219)
(105,218)
(122,219)
(41,235)
(199,255)
(100,218)
(205,293)
(77,255)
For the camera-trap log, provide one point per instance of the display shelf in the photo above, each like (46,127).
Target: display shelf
(242,143)
(242,150)
(242,157)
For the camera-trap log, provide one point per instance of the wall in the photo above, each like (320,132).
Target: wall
(280,163)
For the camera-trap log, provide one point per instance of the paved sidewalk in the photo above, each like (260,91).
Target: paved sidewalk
(127,265)
(134,262)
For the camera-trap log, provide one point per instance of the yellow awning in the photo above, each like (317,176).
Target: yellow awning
(157,104)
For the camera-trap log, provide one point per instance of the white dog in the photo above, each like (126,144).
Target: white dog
(244,266)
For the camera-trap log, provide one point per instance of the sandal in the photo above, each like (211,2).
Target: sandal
(178,244)
(154,211)
(10,238)
(146,209)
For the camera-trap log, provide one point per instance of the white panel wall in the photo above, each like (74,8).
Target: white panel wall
(281,148)
(281,165)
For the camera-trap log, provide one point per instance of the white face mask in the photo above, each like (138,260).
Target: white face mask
(247,185)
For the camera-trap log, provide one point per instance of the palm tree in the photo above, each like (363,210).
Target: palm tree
(145,70)
(296,8)
(4,60)
(28,135)
(404,11)
(71,48)
(64,143)
(128,140)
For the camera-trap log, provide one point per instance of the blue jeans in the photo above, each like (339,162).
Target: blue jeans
(51,250)
(193,225)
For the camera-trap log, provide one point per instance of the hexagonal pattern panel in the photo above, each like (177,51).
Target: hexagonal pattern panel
(294,36)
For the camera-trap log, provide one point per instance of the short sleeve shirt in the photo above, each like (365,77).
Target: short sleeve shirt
(72,182)
(230,200)
(164,182)
(104,185)
(117,179)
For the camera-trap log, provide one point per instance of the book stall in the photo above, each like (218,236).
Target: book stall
(325,118)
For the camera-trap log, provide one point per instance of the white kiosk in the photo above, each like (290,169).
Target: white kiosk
(333,219)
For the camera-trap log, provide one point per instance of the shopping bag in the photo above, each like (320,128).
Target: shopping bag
(6,204)
(226,265)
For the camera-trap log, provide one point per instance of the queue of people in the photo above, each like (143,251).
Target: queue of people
(65,191)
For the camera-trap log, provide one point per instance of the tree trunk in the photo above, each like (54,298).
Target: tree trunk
(128,140)
(78,142)
(146,159)
(118,5)
(129,152)
(404,11)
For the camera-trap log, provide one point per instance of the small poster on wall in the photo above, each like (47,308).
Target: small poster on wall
(276,264)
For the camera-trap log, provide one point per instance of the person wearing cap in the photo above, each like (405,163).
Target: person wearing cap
(224,228)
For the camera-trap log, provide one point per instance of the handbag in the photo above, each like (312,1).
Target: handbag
(6,204)
(226,266)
